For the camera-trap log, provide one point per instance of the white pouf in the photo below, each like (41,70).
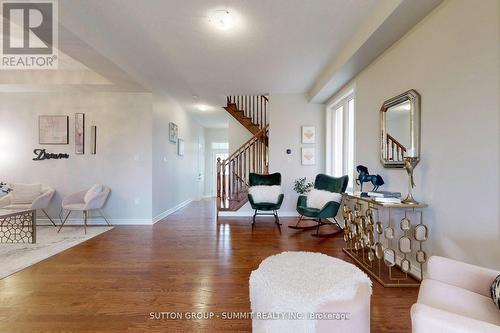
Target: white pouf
(309,292)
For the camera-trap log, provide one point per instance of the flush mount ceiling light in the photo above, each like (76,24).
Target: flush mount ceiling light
(203,107)
(222,19)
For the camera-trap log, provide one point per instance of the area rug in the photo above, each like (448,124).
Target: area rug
(15,257)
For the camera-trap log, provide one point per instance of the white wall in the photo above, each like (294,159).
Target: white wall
(123,159)
(176,179)
(287,114)
(452,59)
(237,134)
(212,135)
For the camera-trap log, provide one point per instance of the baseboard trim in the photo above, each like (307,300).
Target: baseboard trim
(249,213)
(171,211)
(93,221)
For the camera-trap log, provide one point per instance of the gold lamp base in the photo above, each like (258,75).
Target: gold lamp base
(409,200)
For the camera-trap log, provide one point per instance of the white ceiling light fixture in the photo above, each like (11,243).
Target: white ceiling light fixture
(203,107)
(222,19)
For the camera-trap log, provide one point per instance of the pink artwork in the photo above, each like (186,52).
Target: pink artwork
(53,130)
(80,133)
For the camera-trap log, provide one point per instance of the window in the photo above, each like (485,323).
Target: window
(340,138)
(220,145)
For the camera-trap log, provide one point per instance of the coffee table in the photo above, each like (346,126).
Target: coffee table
(17,226)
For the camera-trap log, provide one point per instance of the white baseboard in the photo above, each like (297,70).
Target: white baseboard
(247,213)
(171,211)
(100,221)
(94,221)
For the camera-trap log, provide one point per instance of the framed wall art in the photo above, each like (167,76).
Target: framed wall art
(53,130)
(173,132)
(180,147)
(79,133)
(93,140)
(308,156)
(308,134)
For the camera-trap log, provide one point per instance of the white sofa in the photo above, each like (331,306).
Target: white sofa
(455,297)
(39,198)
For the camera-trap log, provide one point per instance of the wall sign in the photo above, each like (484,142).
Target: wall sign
(41,154)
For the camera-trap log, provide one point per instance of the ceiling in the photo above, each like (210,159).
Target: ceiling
(169,47)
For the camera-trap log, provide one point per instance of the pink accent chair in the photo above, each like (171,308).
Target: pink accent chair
(83,202)
(41,202)
(455,297)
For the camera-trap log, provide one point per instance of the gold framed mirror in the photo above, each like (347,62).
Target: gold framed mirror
(400,129)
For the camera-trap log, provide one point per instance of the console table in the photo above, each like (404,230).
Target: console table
(386,240)
(17,226)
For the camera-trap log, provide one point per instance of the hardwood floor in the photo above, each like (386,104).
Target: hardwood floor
(186,263)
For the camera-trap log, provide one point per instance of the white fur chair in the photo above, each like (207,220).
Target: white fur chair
(41,202)
(85,201)
(455,297)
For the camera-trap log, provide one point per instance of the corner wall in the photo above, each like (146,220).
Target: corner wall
(452,59)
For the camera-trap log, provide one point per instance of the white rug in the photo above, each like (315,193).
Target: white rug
(15,257)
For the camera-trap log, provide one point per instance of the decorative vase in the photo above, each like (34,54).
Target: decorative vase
(410,163)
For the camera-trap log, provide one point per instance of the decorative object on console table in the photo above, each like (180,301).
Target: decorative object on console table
(410,162)
(180,147)
(308,134)
(79,133)
(173,132)
(93,140)
(53,130)
(370,232)
(308,156)
(364,177)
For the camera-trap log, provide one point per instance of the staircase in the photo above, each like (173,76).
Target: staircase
(252,156)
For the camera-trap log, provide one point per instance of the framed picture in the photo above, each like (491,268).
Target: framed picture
(79,133)
(180,147)
(173,132)
(308,134)
(308,156)
(53,130)
(93,140)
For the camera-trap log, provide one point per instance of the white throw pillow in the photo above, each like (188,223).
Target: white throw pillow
(92,192)
(25,193)
(265,194)
(319,198)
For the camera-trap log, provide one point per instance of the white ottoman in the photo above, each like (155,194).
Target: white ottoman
(309,292)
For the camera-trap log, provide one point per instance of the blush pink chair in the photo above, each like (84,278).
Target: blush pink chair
(85,201)
(41,202)
(455,297)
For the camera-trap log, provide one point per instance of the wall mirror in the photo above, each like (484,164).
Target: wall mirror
(400,128)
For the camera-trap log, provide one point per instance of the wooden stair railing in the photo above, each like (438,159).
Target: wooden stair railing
(250,111)
(233,172)
(395,150)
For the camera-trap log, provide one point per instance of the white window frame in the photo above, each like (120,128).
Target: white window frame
(348,131)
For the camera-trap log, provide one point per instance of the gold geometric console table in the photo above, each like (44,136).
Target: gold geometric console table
(386,240)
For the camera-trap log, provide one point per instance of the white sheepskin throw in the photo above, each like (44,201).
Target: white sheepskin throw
(319,198)
(300,282)
(265,194)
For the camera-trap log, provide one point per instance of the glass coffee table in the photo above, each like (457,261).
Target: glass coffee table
(17,226)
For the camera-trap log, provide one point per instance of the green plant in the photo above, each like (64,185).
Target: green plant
(301,186)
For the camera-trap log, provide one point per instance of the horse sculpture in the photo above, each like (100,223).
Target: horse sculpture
(365,177)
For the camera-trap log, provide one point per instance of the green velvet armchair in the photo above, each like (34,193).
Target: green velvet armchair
(330,210)
(266,180)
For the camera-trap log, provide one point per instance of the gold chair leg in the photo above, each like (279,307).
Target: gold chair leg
(85,221)
(104,217)
(43,210)
(65,219)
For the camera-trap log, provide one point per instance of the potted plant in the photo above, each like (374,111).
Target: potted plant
(301,186)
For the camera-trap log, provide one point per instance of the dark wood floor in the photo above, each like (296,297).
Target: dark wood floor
(188,262)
